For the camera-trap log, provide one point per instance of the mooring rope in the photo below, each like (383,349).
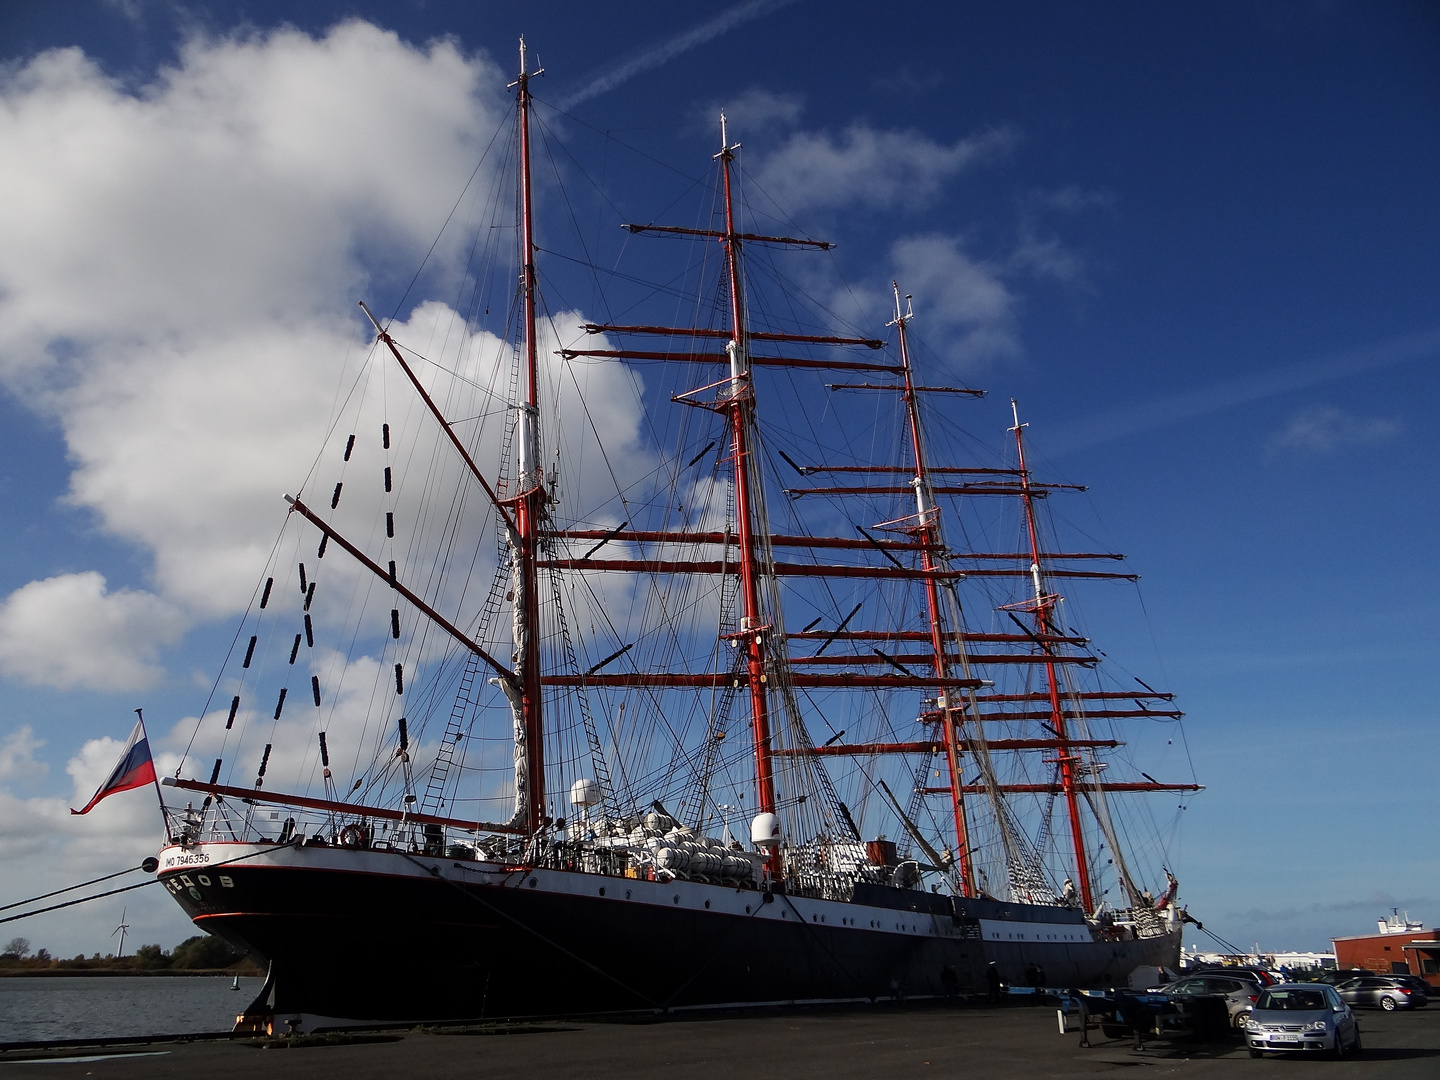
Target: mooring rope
(71,888)
(150,865)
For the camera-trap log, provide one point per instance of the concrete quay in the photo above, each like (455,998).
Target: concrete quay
(834,1044)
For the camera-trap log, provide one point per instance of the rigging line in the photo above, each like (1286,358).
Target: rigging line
(239,629)
(719,948)
(701,181)
(458,378)
(816,934)
(505,123)
(836,318)
(570,210)
(667,288)
(434,872)
(336,411)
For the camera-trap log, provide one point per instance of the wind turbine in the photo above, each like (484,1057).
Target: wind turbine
(124,926)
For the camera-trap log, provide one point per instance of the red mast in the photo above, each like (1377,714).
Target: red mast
(1042,607)
(530,498)
(741,414)
(927,531)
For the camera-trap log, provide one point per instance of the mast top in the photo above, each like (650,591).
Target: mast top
(727,151)
(524,75)
(909,313)
(1015,412)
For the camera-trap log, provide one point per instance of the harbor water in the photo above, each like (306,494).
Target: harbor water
(34,1009)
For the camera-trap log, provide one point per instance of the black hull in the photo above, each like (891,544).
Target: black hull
(385,936)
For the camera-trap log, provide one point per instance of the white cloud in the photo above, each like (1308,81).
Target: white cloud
(1324,429)
(967,310)
(1045,255)
(178,272)
(1070,199)
(867,167)
(69,631)
(176,268)
(43,847)
(17,755)
(750,113)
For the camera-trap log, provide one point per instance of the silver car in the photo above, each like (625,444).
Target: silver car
(1308,1018)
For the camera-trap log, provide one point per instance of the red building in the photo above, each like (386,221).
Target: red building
(1408,952)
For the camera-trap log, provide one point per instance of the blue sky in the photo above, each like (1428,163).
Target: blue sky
(1214,232)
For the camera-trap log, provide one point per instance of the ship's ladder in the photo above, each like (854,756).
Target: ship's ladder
(592,735)
(434,799)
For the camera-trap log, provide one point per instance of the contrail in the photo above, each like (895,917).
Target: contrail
(668,50)
(1118,423)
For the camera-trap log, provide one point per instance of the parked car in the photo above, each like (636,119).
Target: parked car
(1253,974)
(1415,982)
(1308,1018)
(1240,994)
(1388,992)
(1336,976)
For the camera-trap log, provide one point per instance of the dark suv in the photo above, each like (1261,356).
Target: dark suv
(1256,975)
(1336,976)
(1389,992)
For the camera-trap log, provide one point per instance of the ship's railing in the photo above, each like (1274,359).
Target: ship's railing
(611,853)
(227,820)
(1136,922)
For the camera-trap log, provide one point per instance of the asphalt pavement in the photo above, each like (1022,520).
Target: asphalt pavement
(880,1041)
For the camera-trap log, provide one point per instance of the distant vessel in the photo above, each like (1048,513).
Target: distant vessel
(478,656)
(1395,923)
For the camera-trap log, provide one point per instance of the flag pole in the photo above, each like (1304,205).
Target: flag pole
(155,777)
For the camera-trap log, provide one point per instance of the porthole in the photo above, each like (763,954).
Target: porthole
(747,909)
(627,894)
(707,904)
(602,890)
(677,899)
(534,882)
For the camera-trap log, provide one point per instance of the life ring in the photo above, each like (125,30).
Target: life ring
(352,836)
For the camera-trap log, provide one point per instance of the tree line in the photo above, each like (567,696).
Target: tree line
(203,952)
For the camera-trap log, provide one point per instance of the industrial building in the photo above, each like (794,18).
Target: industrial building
(1400,947)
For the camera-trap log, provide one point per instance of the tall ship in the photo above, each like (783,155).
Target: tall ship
(696,657)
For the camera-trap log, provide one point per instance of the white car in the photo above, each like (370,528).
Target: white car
(1305,1018)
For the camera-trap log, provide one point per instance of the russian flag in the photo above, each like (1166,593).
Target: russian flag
(135,769)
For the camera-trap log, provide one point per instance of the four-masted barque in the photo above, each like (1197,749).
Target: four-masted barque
(602,692)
